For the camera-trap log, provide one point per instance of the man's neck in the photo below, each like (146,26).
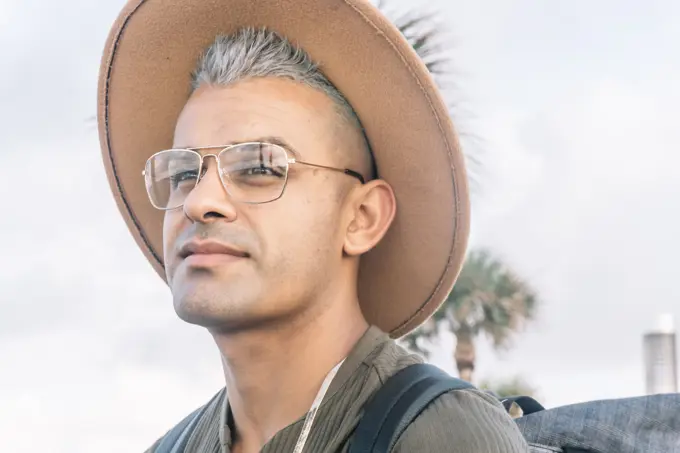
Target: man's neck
(273,376)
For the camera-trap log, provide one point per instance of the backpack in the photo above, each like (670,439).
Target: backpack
(648,424)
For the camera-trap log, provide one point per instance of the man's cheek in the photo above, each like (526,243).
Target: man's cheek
(172,225)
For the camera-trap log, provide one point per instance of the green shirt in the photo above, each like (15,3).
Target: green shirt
(461,421)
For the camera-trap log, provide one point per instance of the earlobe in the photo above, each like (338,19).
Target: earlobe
(374,208)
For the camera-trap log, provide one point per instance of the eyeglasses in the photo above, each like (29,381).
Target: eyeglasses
(253,172)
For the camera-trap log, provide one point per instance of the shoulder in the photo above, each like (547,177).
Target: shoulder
(202,420)
(463,421)
(391,357)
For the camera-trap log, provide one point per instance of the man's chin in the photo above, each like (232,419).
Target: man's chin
(205,295)
(234,319)
(205,314)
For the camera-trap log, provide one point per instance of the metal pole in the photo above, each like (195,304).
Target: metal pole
(660,358)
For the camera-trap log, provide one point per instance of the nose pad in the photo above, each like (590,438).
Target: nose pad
(209,181)
(209,199)
(210,169)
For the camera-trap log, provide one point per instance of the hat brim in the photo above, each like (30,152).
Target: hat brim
(145,81)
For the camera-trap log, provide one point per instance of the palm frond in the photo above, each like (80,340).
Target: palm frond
(488,298)
(421,30)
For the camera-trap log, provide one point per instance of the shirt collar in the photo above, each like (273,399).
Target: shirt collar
(358,356)
(360,353)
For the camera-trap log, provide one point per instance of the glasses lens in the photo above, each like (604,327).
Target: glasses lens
(170,176)
(255,172)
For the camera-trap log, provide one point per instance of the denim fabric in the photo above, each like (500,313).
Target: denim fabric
(649,424)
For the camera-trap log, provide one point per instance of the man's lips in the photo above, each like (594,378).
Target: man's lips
(206,249)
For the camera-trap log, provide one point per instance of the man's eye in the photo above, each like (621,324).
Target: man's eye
(183,176)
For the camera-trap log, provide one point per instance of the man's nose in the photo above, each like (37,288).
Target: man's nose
(209,200)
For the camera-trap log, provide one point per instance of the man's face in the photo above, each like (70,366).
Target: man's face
(287,251)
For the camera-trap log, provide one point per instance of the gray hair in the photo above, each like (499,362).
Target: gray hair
(251,52)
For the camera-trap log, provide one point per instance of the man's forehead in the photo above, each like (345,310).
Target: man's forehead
(290,115)
(271,97)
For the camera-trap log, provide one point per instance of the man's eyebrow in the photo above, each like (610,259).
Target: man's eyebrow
(274,140)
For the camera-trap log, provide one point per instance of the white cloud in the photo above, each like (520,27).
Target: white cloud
(72,389)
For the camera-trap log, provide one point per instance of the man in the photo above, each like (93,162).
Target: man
(302,212)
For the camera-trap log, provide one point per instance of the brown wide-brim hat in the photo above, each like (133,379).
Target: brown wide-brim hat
(145,81)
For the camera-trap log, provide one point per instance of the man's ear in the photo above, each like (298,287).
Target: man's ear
(373,209)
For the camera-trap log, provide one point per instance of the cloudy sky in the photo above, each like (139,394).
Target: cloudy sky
(576,106)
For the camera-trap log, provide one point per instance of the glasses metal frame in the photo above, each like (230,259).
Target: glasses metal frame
(224,148)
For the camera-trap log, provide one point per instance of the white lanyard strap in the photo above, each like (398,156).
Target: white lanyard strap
(309,419)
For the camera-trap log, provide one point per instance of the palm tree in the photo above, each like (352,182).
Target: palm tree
(488,298)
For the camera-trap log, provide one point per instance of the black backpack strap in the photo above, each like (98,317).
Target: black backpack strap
(176,439)
(397,403)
